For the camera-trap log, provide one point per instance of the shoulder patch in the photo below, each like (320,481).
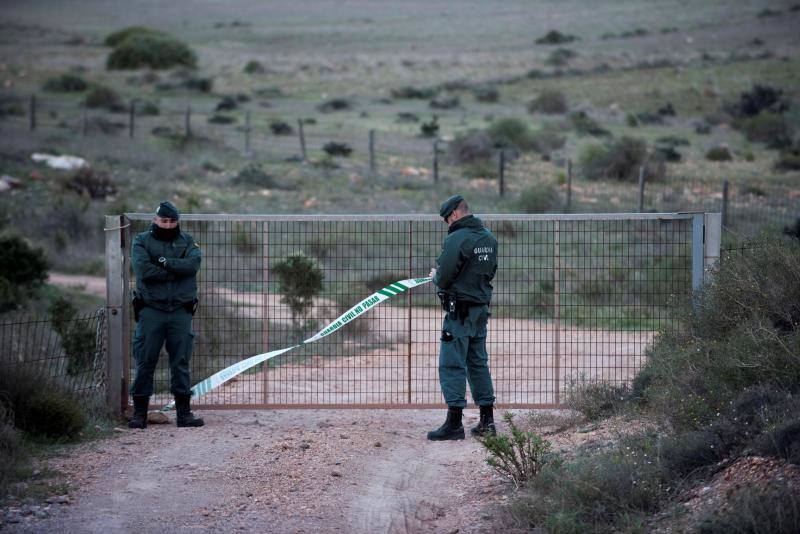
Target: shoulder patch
(197,244)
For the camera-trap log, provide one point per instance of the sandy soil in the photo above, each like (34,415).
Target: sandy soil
(278,471)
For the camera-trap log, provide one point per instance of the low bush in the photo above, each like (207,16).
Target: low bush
(11,108)
(596,399)
(549,101)
(519,456)
(300,280)
(281,128)
(421,93)
(546,140)
(451,102)
(744,333)
(254,175)
(150,50)
(203,85)
(760,99)
(105,98)
(228,103)
(254,67)
(405,116)
(769,128)
(147,108)
(486,94)
(585,125)
(332,148)
(539,198)
(335,104)
(788,159)
(774,508)
(719,153)
(219,118)
(23,270)
(471,147)
(510,132)
(645,117)
(555,37)
(430,128)
(620,160)
(560,57)
(90,183)
(66,83)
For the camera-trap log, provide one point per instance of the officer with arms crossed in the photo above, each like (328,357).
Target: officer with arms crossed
(464,272)
(165,261)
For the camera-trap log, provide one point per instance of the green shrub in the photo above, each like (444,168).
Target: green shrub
(421,93)
(104,97)
(219,118)
(539,198)
(203,85)
(560,57)
(66,83)
(596,399)
(486,94)
(554,37)
(430,128)
(547,140)
(254,67)
(147,108)
(254,175)
(620,160)
(332,148)
(281,128)
(519,456)
(117,37)
(719,153)
(11,108)
(585,125)
(471,147)
(335,104)
(150,50)
(23,270)
(77,337)
(550,101)
(90,183)
(774,508)
(789,159)
(510,132)
(300,280)
(769,128)
(760,99)
(743,334)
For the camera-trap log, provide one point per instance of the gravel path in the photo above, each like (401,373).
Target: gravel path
(278,471)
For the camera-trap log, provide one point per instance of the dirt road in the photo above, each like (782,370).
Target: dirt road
(278,471)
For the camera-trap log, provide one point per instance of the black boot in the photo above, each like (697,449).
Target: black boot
(185,417)
(485,426)
(139,419)
(451,429)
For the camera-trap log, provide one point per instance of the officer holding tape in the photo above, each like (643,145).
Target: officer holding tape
(165,261)
(465,269)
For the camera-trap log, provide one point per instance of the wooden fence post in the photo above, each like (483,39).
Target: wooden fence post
(33,112)
(247,134)
(188,122)
(501,171)
(725,193)
(641,189)
(569,186)
(302,139)
(436,161)
(372,152)
(132,119)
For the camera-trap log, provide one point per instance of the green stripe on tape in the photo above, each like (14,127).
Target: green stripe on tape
(220,377)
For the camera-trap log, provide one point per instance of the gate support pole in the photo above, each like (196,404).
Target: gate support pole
(116,313)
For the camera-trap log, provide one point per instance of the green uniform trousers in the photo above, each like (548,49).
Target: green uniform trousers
(463,356)
(153,329)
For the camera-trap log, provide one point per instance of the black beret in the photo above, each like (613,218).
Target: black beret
(168,210)
(450,205)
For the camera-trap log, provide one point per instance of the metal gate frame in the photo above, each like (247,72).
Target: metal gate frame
(705,251)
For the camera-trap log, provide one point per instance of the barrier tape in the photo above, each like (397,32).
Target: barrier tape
(220,377)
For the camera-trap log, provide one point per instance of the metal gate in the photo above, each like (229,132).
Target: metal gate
(577,297)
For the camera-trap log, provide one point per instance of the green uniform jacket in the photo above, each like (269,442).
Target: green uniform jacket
(167,288)
(468,261)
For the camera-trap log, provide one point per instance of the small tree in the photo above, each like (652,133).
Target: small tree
(23,269)
(519,456)
(300,280)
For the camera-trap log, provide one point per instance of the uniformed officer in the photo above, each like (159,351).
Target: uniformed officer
(464,272)
(165,261)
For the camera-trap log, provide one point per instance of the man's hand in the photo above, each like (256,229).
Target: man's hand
(162,261)
(432,273)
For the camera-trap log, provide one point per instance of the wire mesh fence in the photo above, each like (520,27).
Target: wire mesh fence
(577,297)
(69,351)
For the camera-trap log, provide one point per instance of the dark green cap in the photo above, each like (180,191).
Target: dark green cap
(168,210)
(450,205)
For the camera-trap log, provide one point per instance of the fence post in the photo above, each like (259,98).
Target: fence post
(302,139)
(33,112)
(557,310)
(698,254)
(188,122)
(641,189)
(569,186)
(115,307)
(435,161)
(132,119)
(712,241)
(725,192)
(85,123)
(410,275)
(247,134)
(265,310)
(372,152)
(501,171)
